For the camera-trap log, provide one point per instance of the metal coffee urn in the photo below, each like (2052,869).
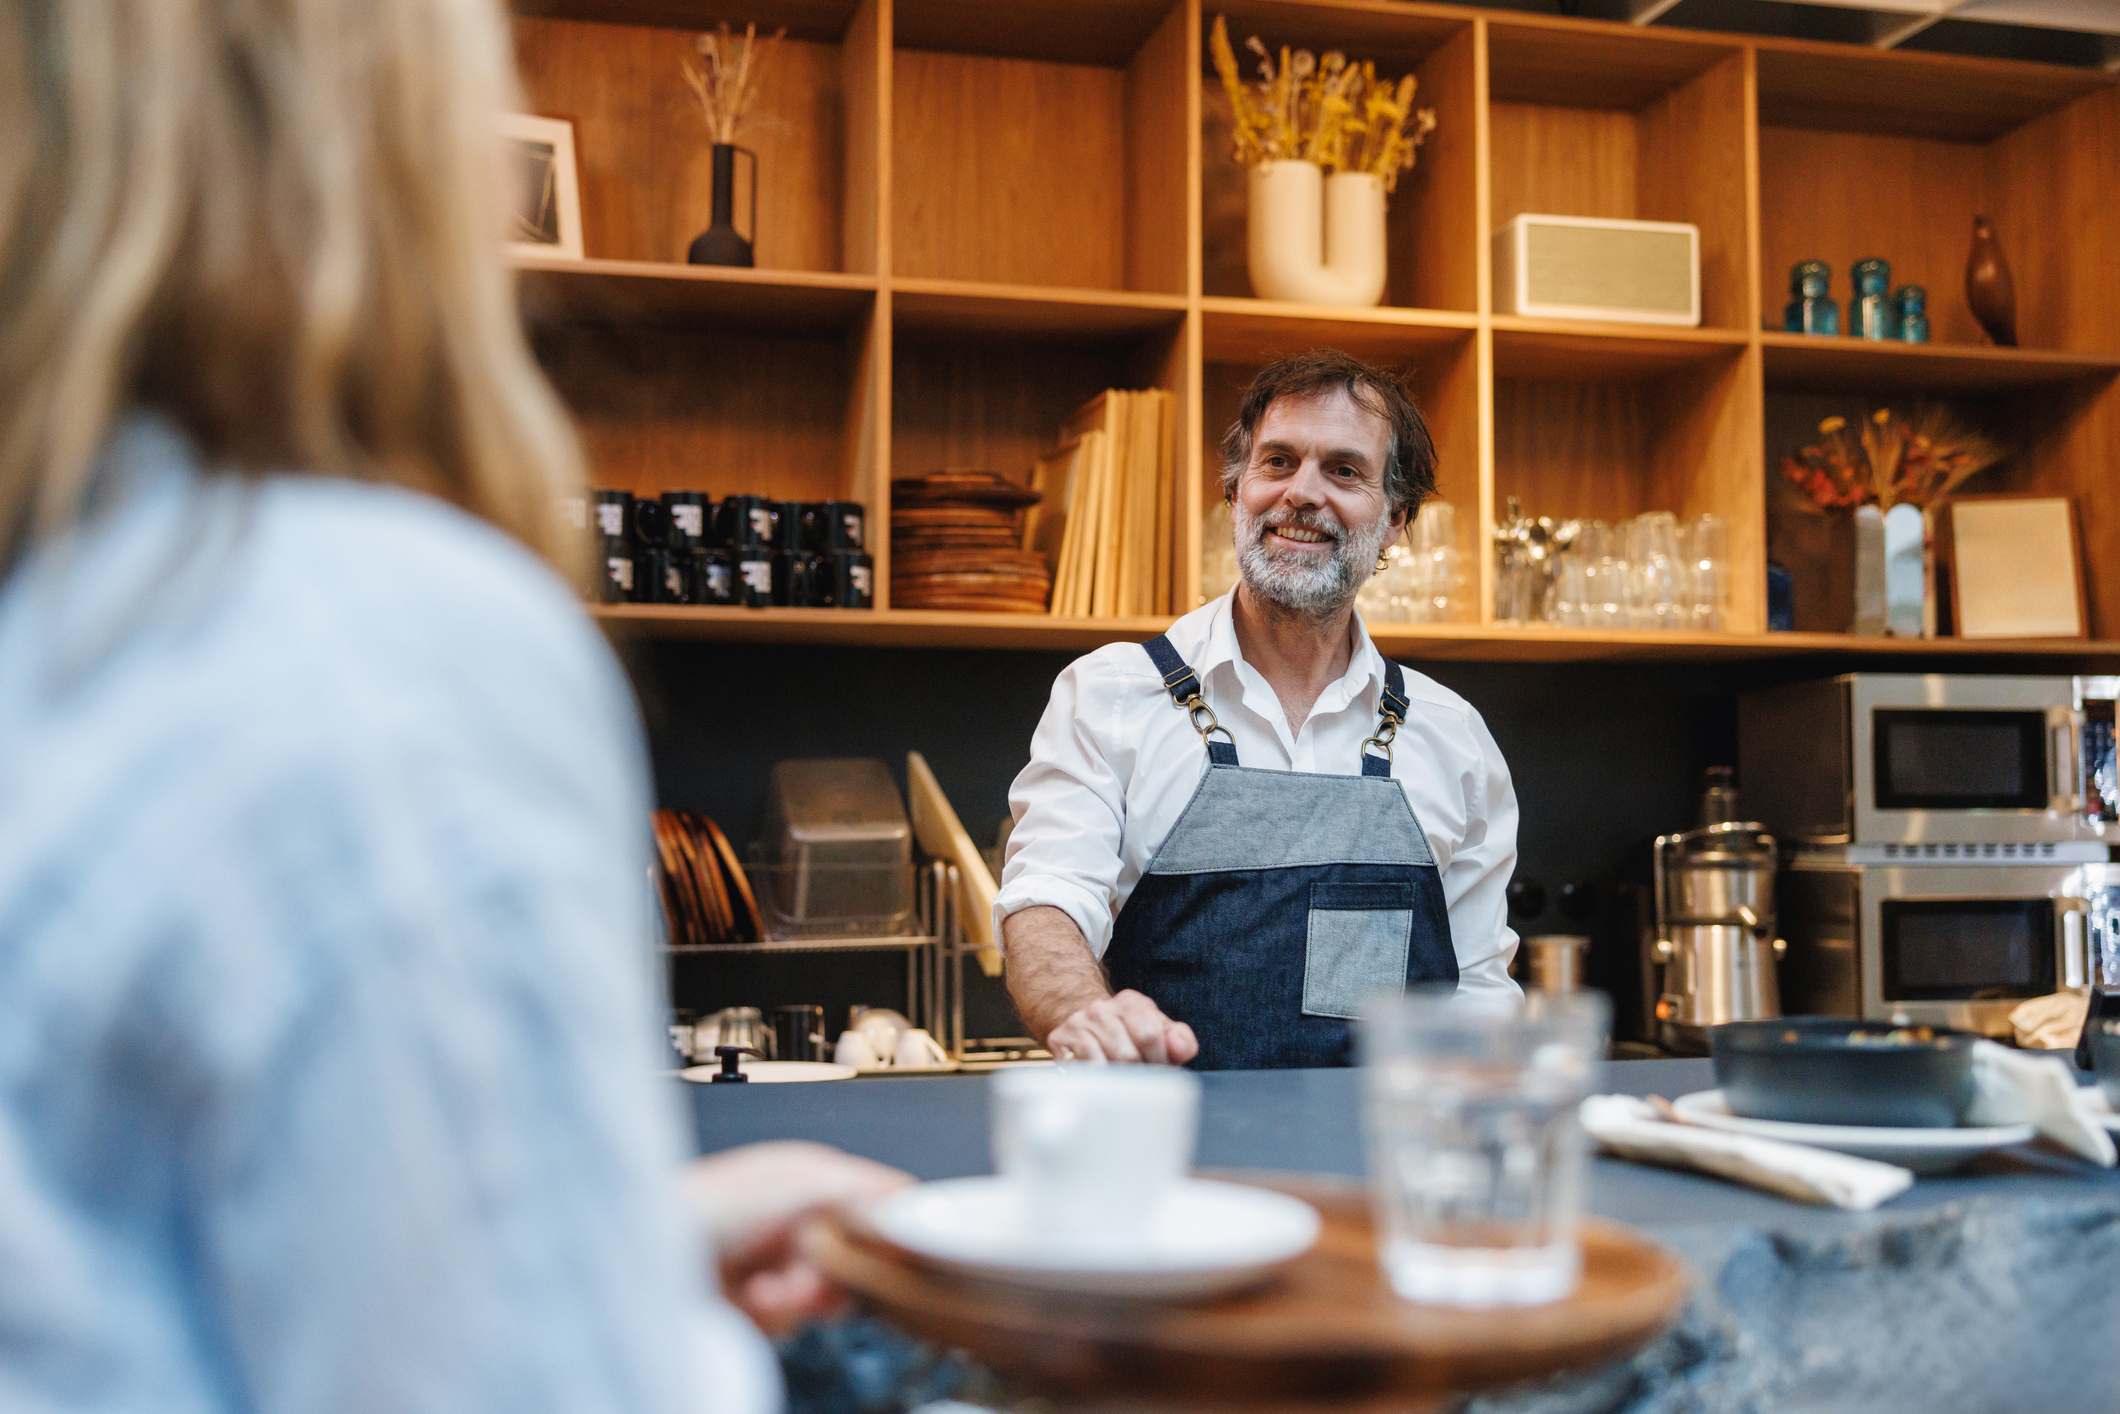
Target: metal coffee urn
(1715,938)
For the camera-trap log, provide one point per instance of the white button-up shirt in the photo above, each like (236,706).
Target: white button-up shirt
(1114,763)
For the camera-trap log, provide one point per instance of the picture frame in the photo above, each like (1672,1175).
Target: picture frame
(2015,566)
(547,219)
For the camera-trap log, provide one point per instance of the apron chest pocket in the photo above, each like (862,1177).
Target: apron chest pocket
(1359,937)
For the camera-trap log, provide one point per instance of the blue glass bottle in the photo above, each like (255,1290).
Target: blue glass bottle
(1870,311)
(1810,309)
(1912,302)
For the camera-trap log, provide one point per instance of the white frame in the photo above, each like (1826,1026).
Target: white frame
(1510,272)
(557,133)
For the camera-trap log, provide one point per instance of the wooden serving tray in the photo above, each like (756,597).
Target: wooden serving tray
(1327,1329)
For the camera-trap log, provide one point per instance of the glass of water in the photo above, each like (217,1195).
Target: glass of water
(1475,1156)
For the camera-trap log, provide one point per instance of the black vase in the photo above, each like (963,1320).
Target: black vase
(719,244)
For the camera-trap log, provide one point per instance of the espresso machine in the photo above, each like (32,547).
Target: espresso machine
(1712,956)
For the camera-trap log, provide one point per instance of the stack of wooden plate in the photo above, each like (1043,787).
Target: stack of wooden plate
(706,898)
(957,543)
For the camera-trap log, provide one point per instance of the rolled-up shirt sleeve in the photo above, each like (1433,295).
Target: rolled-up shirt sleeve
(1069,806)
(1476,883)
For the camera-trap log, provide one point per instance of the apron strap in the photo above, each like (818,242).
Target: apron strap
(1391,711)
(1184,688)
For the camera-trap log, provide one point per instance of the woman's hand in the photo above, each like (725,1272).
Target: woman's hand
(754,1200)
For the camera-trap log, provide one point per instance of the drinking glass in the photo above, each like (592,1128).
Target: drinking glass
(1604,594)
(1433,576)
(1705,551)
(1653,553)
(1475,1156)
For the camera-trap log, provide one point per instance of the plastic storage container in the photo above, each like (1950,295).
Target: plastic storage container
(838,850)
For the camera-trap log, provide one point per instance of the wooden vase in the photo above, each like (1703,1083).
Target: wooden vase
(1989,291)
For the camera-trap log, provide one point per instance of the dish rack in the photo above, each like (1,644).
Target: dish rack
(930,935)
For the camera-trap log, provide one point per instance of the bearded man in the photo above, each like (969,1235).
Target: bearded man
(1231,837)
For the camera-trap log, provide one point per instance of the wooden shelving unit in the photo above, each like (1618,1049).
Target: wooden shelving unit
(974,216)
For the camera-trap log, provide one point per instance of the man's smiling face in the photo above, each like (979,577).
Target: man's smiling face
(1311,514)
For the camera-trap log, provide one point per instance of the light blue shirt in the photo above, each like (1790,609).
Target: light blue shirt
(327,1025)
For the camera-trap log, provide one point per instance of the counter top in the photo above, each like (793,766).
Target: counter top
(1994,1289)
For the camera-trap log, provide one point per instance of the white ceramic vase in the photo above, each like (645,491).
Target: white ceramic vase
(1316,239)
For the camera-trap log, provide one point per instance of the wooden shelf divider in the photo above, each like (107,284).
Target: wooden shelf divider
(987,213)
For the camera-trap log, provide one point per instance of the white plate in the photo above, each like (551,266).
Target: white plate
(1206,1238)
(1922,1150)
(773,1072)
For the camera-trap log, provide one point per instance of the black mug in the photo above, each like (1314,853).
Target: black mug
(685,519)
(658,577)
(649,523)
(754,576)
(615,579)
(614,515)
(798,1033)
(713,577)
(744,520)
(798,580)
(787,526)
(853,578)
(830,527)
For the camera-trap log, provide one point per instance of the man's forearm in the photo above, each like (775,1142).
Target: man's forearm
(1051,972)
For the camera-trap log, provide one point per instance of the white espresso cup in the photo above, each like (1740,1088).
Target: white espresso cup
(917,1051)
(1092,1150)
(855,1050)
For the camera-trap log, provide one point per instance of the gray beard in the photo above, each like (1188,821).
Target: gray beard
(1317,592)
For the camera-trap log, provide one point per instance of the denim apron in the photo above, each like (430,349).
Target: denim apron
(1282,900)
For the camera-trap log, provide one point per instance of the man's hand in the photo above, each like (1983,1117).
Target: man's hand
(1123,1028)
(755,1199)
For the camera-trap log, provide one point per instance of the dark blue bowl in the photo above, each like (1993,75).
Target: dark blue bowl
(1822,1070)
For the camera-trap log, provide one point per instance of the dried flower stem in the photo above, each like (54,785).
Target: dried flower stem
(727,82)
(1328,111)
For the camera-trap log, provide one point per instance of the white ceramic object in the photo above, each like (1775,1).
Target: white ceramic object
(1316,239)
(1202,1239)
(916,1050)
(854,1050)
(883,1027)
(1928,1151)
(772,1072)
(1093,1148)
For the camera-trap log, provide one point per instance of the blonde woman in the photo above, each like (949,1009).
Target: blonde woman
(326,1027)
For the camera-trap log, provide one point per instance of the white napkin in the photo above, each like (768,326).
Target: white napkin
(2020,1087)
(1632,1129)
(2051,1023)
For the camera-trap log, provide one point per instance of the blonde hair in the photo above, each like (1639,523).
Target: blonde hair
(278,223)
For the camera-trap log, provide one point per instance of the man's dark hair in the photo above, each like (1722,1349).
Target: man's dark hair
(1409,466)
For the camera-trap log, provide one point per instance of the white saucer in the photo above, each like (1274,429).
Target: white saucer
(772,1072)
(1206,1238)
(1922,1150)
(945,1068)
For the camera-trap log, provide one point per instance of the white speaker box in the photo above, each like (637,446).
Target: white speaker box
(1582,267)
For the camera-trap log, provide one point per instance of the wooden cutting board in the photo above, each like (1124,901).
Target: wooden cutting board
(943,836)
(1327,1331)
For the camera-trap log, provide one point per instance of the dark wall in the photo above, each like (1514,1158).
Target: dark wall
(1605,757)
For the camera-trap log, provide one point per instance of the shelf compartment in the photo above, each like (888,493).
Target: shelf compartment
(1412,642)
(1012,168)
(723,411)
(822,21)
(643,153)
(1935,96)
(1431,233)
(1598,439)
(976,307)
(1627,127)
(555,290)
(1806,363)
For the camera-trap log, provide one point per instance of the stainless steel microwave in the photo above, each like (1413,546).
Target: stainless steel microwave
(1940,764)
(1938,944)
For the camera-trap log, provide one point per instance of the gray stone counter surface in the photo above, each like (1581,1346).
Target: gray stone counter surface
(1992,1291)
